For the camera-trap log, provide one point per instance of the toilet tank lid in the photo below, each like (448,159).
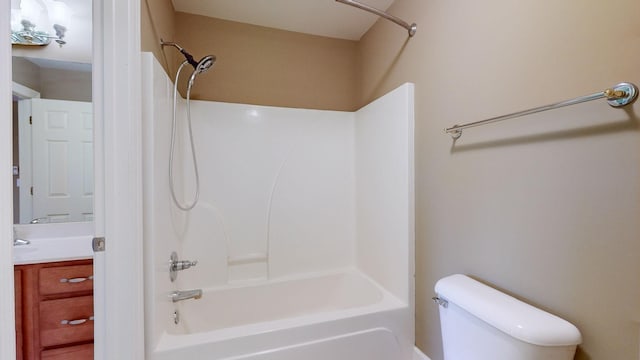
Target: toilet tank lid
(508,314)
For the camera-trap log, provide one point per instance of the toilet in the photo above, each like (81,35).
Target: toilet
(481,323)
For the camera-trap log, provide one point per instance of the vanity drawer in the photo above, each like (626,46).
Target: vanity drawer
(79,352)
(64,279)
(66,321)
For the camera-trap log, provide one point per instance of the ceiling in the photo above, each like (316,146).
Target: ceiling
(317,17)
(60,65)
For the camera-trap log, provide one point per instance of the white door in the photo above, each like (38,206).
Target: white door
(62,160)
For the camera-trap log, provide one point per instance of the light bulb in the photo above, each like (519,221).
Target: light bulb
(58,12)
(16,18)
(30,10)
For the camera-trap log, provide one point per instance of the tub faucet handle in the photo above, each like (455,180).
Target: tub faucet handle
(177,265)
(183,264)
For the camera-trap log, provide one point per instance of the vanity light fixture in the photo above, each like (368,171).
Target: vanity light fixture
(26,16)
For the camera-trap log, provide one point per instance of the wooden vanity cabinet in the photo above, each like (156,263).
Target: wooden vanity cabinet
(55,310)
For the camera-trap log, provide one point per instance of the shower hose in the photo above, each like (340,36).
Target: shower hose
(189,205)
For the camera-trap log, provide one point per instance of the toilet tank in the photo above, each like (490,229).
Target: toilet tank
(482,323)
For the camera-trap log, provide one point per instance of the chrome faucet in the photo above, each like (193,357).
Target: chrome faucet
(176,265)
(19,242)
(179,295)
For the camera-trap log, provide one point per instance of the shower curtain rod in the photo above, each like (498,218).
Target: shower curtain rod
(410,28)
(618,96)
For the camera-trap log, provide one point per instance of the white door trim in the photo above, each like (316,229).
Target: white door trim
(23,92)
(7,309)
(116,89)
(118,172)
(25,165)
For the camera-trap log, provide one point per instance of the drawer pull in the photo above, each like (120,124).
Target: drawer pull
(76,280)
(76,322)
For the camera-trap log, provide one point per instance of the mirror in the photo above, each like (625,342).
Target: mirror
(53,125)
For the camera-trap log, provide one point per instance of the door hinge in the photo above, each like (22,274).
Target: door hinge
(98,244)
(30,120)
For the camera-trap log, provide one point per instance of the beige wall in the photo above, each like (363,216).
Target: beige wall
(157,21)
(65,85)
(26,73)
(53,83)
(258,65)
(546,207)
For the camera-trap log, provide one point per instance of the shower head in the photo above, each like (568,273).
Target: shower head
(205,64)
(199,66)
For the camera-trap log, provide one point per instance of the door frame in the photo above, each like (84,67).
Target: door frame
(7,304)
(117,96)
(24,94)
(118,285)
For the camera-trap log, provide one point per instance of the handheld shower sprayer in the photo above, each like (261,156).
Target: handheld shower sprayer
(198,68)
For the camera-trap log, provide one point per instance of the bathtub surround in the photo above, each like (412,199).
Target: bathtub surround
(160,220)
(290,198)
(419,355)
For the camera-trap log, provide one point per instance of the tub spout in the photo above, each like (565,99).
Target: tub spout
(179,295)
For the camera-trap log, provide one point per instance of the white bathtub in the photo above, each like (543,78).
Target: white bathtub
(309,191)
(337,316)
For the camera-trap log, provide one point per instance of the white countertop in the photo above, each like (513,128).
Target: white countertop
(53,242)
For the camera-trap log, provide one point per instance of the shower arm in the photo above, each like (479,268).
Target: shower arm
(169,43)
(184,52)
